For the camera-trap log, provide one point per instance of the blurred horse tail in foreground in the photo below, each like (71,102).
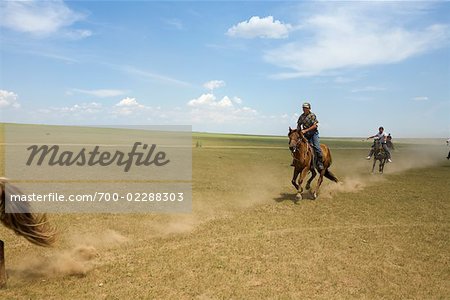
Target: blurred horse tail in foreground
(303,155)
(34,227)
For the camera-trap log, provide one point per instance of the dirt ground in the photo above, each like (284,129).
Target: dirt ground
(370,236)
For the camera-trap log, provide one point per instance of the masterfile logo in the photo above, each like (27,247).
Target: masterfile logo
(53,156)
(119,168)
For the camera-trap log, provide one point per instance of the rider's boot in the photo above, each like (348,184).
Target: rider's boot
(320,162)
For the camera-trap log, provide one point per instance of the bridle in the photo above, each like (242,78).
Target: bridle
(295,148)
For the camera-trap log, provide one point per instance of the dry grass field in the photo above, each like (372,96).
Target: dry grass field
(371,236)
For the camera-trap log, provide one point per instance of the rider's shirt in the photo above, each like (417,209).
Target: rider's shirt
(380,136)
(306,121)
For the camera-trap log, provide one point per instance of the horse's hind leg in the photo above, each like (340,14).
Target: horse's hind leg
(313,174)
(319,182)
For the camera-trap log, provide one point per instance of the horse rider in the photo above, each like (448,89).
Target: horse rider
(389,142)
(308,124)
(382,138)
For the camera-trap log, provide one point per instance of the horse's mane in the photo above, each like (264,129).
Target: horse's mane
(34,227)
(300,134)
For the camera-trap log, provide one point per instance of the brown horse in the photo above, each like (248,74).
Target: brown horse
(303,155)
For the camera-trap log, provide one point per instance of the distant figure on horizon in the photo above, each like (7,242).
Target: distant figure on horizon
(381,137)
(448,144)
(308,124)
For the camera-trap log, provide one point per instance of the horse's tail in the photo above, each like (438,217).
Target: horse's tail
(330,176)
(34,227)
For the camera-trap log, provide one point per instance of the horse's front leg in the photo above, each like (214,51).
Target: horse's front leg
(294,178)
(382,165)
(374,162)
(303,174)
(313,175)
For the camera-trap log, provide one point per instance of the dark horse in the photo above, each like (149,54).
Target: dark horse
(303,155)
(379,155)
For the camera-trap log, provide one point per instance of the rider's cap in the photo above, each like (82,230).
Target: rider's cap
(306,105)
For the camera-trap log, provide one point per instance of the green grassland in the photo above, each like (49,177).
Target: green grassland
(371,236)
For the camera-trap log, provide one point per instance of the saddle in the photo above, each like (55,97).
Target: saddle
(314,156)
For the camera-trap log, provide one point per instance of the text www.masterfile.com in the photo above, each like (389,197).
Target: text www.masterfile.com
(163,196)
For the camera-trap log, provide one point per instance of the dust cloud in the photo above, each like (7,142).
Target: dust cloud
(347,185)
(416,157)
(78,260)
(173,224)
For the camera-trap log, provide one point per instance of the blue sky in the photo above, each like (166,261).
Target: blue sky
(237,67)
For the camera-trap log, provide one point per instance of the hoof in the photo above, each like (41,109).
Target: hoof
(298,196)
(314,196)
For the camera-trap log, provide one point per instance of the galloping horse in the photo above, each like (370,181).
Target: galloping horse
(303,155)
(379,155)
(22,221)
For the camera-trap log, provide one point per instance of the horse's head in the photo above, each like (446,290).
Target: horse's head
(293,139)
(295,136)
(378,144)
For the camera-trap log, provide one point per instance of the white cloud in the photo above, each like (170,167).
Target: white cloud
(205,99)
(130,102)
(225,102)
(8,99)
(260,27)
(207,108)
(86,111)
(209,100)
(101,93)
(90,108)
(421,98)
(129,106)
(353,36)
(40,18)
(214,84)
